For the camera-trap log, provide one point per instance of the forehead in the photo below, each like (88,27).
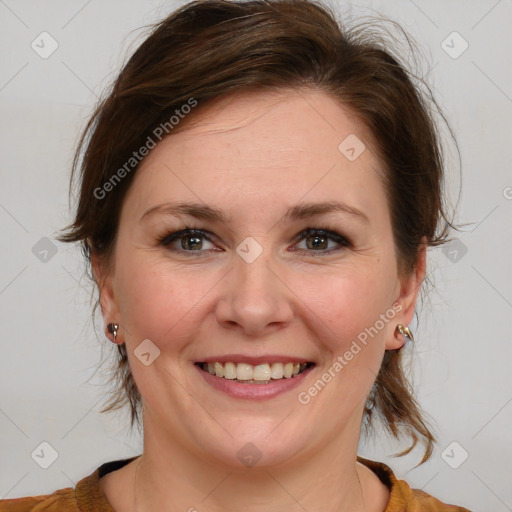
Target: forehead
(271,147)
(292,124)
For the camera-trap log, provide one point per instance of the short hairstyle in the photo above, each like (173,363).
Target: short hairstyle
(209,49)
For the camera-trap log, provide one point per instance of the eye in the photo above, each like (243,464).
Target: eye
(318,239)
(191,240)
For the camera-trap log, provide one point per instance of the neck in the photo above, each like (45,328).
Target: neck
(168,475)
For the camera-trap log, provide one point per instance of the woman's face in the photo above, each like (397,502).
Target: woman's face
(251,289)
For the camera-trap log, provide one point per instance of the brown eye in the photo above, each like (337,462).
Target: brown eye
(317,241)
(321,240)
(191,242)
(186,240)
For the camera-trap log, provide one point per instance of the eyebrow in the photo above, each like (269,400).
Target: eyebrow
(296,212)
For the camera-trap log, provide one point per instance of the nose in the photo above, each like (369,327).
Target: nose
(255,299)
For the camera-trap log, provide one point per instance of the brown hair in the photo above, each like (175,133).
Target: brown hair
(211,48)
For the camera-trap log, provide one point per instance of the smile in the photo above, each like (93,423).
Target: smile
(254,374)
(267,378)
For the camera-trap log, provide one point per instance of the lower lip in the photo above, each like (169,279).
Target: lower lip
(253,391)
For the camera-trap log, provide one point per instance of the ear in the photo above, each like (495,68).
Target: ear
(409,287)
(103,278)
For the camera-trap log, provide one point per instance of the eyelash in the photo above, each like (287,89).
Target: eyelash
(168,238)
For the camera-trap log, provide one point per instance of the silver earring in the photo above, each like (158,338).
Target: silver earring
(112,329)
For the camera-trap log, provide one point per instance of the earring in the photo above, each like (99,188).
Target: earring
(112,329)
(405,331)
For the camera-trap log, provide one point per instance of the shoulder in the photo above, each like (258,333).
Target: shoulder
(424,502)
(402,497)
(61,500)
(86,496)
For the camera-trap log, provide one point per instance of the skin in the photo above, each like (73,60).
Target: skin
(253,156)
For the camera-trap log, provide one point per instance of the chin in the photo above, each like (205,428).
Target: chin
(253,444)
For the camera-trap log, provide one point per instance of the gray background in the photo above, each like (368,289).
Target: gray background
(50,391)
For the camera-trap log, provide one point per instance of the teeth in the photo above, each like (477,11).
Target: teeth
(261,373)
(229,371)
(219,370)
(276,370)
(244,371)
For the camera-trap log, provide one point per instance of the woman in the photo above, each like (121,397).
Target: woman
(258,192)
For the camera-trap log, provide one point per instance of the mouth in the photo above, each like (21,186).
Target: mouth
(262,373)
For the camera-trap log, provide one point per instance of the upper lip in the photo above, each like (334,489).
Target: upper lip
(254,360)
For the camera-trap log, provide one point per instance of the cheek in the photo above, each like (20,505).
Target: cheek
(347,301)
(352,306)
(160,300)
